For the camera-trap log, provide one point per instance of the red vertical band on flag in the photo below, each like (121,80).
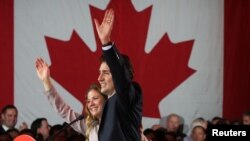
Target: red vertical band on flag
(236,58)
(6,52)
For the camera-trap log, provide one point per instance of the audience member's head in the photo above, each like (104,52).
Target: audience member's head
(199,122)
(5,137)
(246,118)
(27,132)
(13,132)
(236,122)
(57,133)
(173,122)
(69,129)
(215,120)
(170,136)
(160,134)
(40,128)
(149,133)
(198,134)
(9,116)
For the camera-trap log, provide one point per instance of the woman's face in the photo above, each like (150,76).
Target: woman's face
(95,103)
(198,134)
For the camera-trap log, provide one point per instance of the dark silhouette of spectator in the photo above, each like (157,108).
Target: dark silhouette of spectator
(57,133)
(246,118)
(13,132)
(149,133)
(5,137)
(27,132)
(160,134)
(40,128)
(77,137)
(215,120)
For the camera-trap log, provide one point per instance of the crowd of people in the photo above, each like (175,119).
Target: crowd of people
(39,129)
(170,130)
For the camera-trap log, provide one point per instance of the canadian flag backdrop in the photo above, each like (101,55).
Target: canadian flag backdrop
(191,57)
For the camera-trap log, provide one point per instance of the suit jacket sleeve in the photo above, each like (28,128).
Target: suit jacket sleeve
(120,75)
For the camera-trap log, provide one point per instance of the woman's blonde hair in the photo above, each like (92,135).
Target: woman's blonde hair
(90,120)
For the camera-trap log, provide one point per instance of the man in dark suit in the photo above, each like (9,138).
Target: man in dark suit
(9,118)
(122,113)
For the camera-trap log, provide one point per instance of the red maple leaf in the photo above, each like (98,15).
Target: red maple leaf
(158,72)
(73,64)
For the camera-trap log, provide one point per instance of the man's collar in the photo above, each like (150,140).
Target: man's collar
(5,127)
(109,96)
